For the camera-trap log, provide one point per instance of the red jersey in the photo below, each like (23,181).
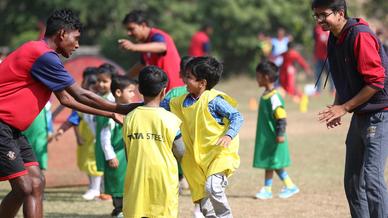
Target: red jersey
(27,81)
(320,46)
(168,61)
(198,44)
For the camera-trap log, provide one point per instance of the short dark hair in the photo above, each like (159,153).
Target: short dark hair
(269,69)
(183,64)
(152,80)
(207,68)
(121,82)
(62,19)
(335,5)
(89,76)
(108,69)
(135,16)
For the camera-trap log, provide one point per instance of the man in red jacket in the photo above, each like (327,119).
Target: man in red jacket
(156,47)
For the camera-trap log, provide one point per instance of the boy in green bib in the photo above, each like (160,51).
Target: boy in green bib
(112,144)
(271,146)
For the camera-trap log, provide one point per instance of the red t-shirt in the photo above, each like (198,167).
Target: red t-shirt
(168,61)
(198,44)
(320,46)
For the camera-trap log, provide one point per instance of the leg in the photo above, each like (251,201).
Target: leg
(10,205)
(354,170)
(375,158)
(215,188)
(318,69)
(266,191)
(118,205)
(290,188)
(207,208)
(33,203)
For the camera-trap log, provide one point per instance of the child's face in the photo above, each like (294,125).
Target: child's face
(103,83)
(262,80)
(194,86)
(126,95)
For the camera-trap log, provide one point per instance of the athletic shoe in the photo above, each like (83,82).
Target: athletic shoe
(263,194)
(90,194)
(288,192)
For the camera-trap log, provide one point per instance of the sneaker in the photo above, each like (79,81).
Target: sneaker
(263,194)
(90,194)
(120,215)
(288,192)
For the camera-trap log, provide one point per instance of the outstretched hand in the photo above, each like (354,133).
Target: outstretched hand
(118,118)
(126,44)
(224,141)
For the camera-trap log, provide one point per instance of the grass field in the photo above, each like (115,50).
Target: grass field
(317,168)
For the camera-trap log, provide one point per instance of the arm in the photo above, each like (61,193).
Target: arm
(366,49)
(281,123)
(153,47)
(135,70)
(85,101)
(72,120)
(178,148)
(106,145)
(224,109)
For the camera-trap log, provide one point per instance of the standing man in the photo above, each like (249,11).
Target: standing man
(358,65)
(29,75)
(156,47)
(200,42)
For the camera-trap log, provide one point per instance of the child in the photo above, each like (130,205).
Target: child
(152,139)
(175,92)
(112,144)
(39,134)
(288,70)
(271,147)
(85,134)
(209,130)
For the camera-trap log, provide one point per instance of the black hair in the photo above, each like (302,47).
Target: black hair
(207,68)
(89,71)
(152,80)
(207,24)
(183,64)
(107,69)
(135,16)
(62,19)
(334,5)
(290,45)
(269,69)
(121,82)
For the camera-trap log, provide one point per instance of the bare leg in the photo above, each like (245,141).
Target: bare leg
(33,203)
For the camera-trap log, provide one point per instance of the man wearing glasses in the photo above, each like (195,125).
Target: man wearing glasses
(358,66)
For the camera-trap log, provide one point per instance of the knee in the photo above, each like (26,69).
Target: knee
(215,184)
(38,183)
(22,186)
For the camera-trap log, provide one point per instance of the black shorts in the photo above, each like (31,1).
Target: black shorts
(15,153)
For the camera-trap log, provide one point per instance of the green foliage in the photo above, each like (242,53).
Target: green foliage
(236,23)
(22,38)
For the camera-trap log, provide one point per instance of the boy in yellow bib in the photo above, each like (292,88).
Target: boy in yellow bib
(152,137)
(210,132)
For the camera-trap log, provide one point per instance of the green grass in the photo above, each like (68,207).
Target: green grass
(317,168)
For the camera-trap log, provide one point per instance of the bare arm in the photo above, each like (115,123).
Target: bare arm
(85,101)
(135,70)
(153,47)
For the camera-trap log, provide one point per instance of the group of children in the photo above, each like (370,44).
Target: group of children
(194,126)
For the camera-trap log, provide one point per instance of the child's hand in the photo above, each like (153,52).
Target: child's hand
(224,141)
(280,139)
(58,134)
(113,163)
(118,118)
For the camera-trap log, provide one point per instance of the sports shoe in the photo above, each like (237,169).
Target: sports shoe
(120,215)
(288,192)
(90,194)
(263,194)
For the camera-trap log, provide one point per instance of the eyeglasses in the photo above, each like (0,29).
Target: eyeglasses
(321,16)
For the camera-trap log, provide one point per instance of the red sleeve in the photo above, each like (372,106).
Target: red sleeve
(366,52)
(298,58)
